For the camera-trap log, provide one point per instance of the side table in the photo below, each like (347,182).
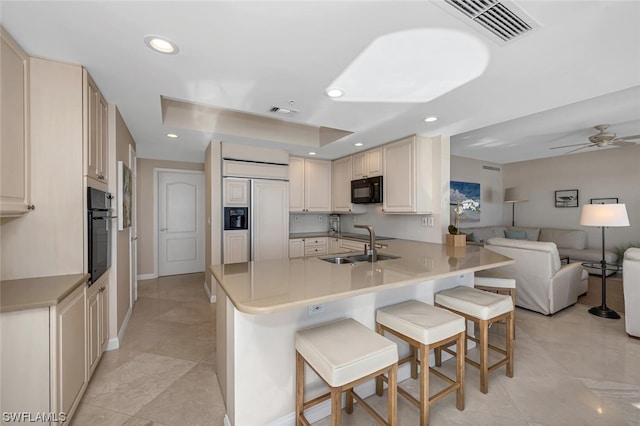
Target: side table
(603,311)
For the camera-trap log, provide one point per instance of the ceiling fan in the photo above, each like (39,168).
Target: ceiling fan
(601,139)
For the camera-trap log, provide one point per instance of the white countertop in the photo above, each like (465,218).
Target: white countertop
(271,286)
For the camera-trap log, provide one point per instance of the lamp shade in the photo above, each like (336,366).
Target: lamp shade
(604,215)
(515,195)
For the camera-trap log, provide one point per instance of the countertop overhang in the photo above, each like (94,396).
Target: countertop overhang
(271,286)
(41,292)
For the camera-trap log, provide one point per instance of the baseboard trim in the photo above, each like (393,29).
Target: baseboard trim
(212,297)
(226,421)
(147,276)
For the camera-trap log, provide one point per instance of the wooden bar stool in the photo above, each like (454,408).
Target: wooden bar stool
(425,327)
(345,354)
(483,308)
(500,286)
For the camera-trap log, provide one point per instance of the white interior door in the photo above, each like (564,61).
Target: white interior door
(180,222)
(133,245)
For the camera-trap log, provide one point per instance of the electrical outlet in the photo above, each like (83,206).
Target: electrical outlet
(430,223)
(296,218)
(424,221)
(320,219)
(316,309)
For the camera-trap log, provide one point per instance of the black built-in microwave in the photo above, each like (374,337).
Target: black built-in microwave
(367,190)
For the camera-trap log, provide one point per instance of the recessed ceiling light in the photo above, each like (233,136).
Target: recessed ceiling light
(430,119)
(161,44)
(172,135)
(334,92)
(358,144)
(312,153)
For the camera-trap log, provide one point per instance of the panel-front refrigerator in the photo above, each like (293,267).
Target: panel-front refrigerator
(256,219)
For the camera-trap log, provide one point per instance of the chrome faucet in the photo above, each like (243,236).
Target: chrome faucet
(371,252)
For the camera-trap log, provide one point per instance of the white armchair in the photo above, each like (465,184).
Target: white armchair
(631,288)
(544,284)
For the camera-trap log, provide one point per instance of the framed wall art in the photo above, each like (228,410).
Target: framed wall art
(604,201)
(124,196)
(567,198)
(461,191)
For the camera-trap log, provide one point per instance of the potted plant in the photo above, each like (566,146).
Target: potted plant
(455,237)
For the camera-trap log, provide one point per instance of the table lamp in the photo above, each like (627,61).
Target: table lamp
(604,215)
(515,195)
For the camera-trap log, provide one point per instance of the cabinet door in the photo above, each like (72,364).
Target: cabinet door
(70,350)
(334,245)
(399,179)
(374,162)
(14,131)
(342,185)
(317,185)
(93,328)
(91,118)
(236,192)
(359,169)
(104,316)
(296,247)
(296,184)
(236,246)
(103,139)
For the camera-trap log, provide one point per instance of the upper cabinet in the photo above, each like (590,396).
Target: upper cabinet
(412,176)
(367,164)
(95,130)
(15,187)
(309,185)
(342,187)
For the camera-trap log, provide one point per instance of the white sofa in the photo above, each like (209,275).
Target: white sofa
(631,288)
(570,242)
(543,283)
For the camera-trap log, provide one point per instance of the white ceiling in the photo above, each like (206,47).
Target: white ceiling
(579,67)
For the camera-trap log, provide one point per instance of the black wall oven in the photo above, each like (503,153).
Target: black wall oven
(99,231)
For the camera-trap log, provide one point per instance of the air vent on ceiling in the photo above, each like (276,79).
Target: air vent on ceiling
(282,111)
(492,168)
(495,17)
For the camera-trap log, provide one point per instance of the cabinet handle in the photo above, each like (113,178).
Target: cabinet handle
(31,207)
(163,229)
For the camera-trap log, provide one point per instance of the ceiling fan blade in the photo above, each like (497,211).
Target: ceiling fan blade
(627,138)
(569,146)
(574,150)
(622,143)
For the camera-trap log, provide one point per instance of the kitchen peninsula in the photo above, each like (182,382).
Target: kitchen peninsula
(260,306)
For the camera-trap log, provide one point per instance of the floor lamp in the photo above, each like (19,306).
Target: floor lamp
(604,215)
(515,195)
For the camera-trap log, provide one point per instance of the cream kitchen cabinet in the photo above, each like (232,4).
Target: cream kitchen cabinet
(367,164)
(296,247)
(95,123)
(309,185)
(334,245)
(43,365)
(97,321)
(15,187)
(342,187)
(236,192)
(315,246)
(412,176)
(236,246)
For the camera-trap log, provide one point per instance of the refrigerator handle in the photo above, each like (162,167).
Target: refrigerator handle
(251,220)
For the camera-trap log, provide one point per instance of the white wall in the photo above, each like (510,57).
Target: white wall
(599,173)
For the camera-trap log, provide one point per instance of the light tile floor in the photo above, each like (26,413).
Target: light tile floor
(570,369)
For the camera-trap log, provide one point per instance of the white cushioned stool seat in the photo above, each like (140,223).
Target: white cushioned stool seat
(344,354)
(425,327)
(344,351)
(420,321)
(480,304)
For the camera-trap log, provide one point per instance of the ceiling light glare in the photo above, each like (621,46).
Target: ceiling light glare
(334,92)
(358,144)
(431,119)
(312,153)
(172,135)
(161,44)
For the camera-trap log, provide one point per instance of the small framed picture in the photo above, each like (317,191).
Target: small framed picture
(604,201)
(567,198)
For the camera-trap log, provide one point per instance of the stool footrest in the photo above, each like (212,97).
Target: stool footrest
(367,407)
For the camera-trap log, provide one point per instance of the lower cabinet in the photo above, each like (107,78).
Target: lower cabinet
(334,245)
(296,247)
(97,322)
(315,246)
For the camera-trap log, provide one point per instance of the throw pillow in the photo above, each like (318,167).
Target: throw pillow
(473,237)
(515,235)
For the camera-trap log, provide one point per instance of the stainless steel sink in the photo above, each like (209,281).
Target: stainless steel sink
(337,260)
(357,258)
